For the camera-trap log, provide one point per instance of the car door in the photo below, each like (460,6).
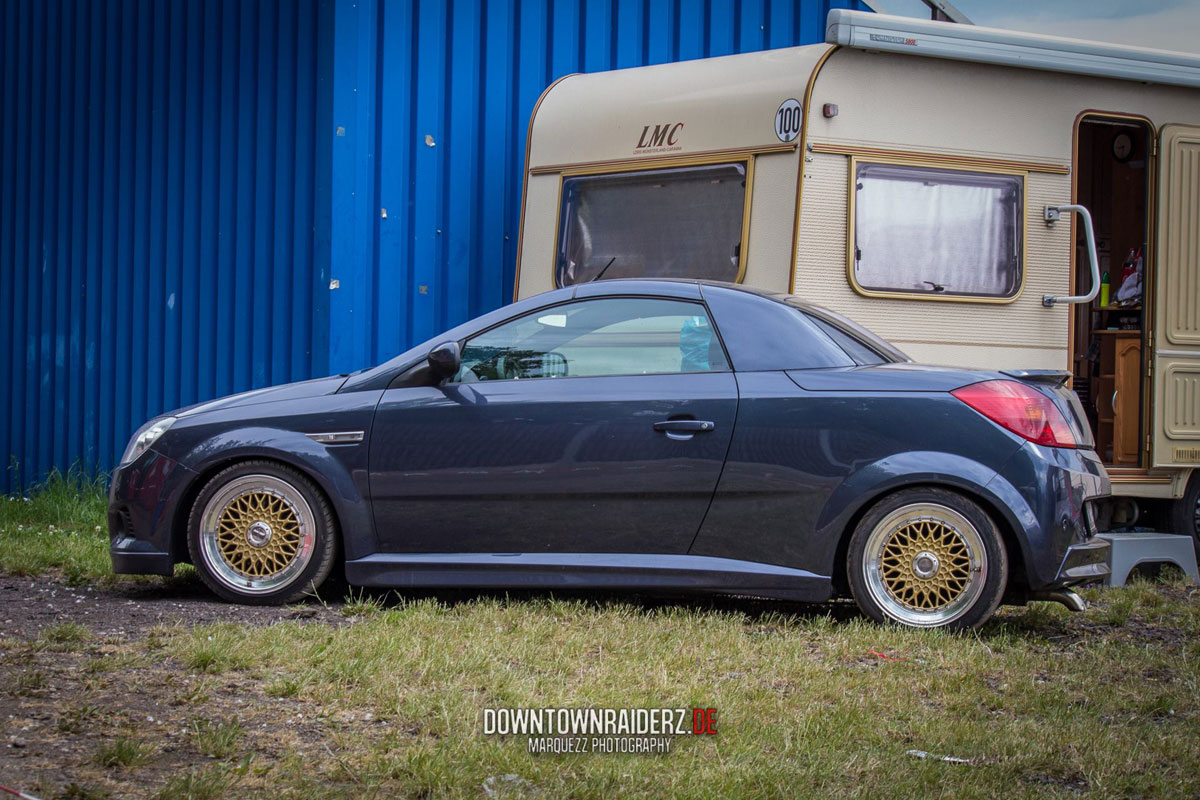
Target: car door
(598,425)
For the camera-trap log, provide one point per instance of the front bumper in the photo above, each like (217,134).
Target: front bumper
(141,508)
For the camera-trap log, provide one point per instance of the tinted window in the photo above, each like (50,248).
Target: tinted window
(608,336)
(854,348)
(665,223)
(764,334)
(885,349)
(927,230)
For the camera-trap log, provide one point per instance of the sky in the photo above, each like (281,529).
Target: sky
(1162,24)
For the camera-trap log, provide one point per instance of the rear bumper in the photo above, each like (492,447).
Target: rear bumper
(1085,563)
(1048,491)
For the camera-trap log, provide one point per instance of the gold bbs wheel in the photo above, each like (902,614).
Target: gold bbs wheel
(925,565)
(257,534)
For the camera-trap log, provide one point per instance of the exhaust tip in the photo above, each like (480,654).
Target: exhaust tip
(1066,597)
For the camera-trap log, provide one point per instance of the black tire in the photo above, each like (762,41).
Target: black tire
(267,502)
(928,558)
(1185,512)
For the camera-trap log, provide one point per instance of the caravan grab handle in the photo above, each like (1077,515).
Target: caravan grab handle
(1051,216)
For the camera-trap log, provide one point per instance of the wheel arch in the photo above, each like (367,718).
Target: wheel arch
(318,463)
(187,498)
(856,495)
(1012,544)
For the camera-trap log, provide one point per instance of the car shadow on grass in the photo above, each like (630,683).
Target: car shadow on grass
(338,602)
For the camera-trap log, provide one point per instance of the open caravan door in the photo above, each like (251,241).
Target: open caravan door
(1176,402)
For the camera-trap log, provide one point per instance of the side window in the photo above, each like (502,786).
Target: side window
(862,354)
(684,222)
(605,336)
(934,231)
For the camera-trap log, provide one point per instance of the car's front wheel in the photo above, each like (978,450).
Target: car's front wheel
(262,533)
(927,558)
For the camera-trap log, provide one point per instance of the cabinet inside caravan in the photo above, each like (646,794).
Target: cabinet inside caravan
(1113,157)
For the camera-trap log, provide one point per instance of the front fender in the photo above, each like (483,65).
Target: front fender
(339,470)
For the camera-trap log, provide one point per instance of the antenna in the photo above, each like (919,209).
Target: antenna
(600,274)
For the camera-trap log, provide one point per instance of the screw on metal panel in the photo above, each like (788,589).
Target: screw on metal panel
(423,289)
(335,284)
(429,142)
(341,130)
(383,213)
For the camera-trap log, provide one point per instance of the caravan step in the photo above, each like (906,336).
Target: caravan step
(1131,549)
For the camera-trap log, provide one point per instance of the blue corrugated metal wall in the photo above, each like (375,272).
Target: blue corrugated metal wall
(434,98)
(158,163)
(179,181)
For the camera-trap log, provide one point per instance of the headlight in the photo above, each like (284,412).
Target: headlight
(146,435)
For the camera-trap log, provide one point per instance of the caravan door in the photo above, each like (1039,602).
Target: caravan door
(1176,415)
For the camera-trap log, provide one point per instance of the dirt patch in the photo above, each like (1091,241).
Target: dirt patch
(28,605)
(78,700)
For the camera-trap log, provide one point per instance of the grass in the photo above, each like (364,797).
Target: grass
(59,525)
(65,635)
(125,751)
(386,695)
(77,719)
(802,700)
(211,783)
(218,739)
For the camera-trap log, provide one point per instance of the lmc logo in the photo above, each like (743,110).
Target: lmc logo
(663,135)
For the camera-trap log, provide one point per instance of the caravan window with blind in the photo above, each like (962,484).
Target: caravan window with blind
(927,230)
(684,222)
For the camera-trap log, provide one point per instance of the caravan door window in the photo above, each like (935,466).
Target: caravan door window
(938,232)
(681,222)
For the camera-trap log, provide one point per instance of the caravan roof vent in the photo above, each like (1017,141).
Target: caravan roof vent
(1011,48)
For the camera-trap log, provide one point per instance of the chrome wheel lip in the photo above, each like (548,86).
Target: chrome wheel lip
(210,549)
(872,566)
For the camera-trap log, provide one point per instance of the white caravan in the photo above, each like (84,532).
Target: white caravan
(929,180)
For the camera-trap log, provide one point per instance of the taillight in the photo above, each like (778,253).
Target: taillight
(1021,409)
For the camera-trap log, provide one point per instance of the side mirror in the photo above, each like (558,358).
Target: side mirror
(445,359)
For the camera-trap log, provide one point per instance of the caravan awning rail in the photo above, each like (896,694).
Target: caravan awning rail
(920,37)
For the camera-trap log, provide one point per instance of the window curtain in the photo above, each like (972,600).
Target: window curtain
(672,223)
(920,229)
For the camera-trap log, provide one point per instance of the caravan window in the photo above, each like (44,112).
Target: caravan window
(936,231)
(684,222)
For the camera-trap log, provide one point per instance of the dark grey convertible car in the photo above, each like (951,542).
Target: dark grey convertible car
(633,435)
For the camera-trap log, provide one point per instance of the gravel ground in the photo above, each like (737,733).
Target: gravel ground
(28,605)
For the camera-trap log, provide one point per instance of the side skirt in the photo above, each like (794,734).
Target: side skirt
(611,571)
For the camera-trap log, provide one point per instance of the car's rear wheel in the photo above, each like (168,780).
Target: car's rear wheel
(261,533)
(927,558)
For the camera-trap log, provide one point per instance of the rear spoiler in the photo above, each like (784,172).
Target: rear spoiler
(1053,377)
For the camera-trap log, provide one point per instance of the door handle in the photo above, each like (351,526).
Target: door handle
(685,426)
